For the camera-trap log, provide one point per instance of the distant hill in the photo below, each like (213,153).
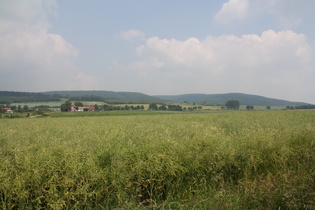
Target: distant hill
(135,97)
(106,96)
(216,99)
(8,97)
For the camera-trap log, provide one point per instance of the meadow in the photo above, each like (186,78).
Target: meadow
(216,160)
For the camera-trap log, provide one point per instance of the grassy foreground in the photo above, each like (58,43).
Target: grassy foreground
(234,160)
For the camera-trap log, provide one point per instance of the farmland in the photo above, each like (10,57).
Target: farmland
(229,160)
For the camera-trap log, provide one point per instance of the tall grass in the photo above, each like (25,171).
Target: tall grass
(244,160)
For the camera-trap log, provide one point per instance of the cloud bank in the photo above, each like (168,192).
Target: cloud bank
(275,63)
(272,64)
(30,55)
(287,12)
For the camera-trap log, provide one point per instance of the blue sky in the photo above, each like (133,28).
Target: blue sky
(262,47)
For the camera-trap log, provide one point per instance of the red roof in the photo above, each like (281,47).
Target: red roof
(86,107)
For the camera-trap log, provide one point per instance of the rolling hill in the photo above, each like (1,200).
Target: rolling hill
(216,99)
(8,97)
(135,97)
(107,96)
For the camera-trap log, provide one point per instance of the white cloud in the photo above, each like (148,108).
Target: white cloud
(30,55)
(232,10)
(34,45)
(189,52)
(288,13)
(132,34)
(288,7)
(275,64)
(145,67)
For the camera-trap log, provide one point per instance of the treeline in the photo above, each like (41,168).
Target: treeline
(308,106)
(66,107)
(109,97)
(8,97)
(25,108)
(87,98)
(152,106)
(170,107)
(104,99)
(117,108)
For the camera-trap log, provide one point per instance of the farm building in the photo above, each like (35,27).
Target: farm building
(8,110)
(82,108)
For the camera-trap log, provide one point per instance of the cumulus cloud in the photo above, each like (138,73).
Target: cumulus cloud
(288,7)
(30,55)
(288,13)
(273,63)
(132,34)
(232,10)
(175,54)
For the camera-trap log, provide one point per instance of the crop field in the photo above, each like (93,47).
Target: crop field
(223,160)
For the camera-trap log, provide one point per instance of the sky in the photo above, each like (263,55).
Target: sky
(160,47)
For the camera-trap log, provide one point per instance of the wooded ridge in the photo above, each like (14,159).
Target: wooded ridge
(113,97)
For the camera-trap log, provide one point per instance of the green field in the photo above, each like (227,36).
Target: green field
(218,160)
(108,113)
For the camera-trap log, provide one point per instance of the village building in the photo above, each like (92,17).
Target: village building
(8,110)
(82,108)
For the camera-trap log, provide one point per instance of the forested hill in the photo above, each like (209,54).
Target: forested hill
(112,97)
(106,96)
(8,97)
(216,99)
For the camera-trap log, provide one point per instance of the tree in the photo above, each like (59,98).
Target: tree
(14,108)
(163,107)
(232,104)
(127,107)
(290,107)
(2,110)
(307,106)
(19,108)
(77,103)
(25,108)
(250,107)
(153,106)
(175,108)
(66,107)
(63,108)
